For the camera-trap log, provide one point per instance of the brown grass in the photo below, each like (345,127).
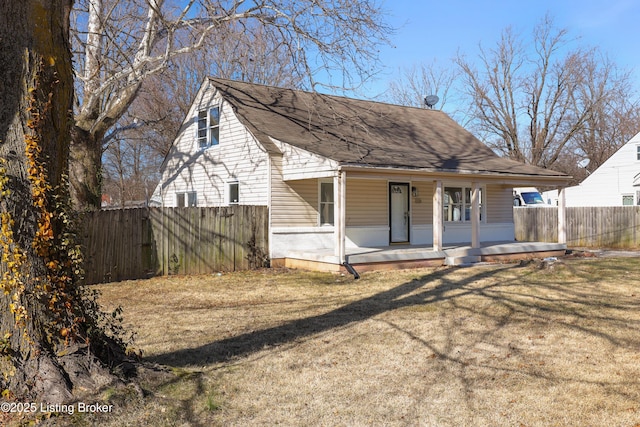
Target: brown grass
(499,345)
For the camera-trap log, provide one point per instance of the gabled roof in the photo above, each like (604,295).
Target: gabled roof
(363,133)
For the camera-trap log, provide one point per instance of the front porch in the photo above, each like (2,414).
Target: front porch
(414,256)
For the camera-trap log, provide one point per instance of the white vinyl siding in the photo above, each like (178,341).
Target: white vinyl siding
(607,185)
(301,164)
(239,157)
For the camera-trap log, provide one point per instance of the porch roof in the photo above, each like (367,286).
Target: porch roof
(366,134)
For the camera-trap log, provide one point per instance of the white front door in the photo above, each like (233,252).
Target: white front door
(399,212)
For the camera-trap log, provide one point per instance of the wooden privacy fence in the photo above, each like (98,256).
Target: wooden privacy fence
(589,227)
(144,242)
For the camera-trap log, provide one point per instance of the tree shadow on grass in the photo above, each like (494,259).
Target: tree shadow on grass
(570,301)
(502,328)
(401,296)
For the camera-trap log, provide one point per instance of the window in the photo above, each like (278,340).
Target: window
(627,200)
(637,152)
(186,199)
(457,204)
(326,203)
(209,127)
(234,193)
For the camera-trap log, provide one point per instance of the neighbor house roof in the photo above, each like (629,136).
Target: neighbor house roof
(364,133)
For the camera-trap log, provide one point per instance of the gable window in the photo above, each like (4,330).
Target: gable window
(457,204)
(209,127)
(234,193)
(637,152)
(187,199)
(326,203)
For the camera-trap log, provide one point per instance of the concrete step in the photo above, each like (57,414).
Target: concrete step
(462,260)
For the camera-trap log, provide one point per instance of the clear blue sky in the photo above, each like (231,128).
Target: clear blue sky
(436,30)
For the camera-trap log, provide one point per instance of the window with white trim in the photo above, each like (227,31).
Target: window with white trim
(457,204)
(234,193)
(637,152)
(209,127)
(627,200)
(326,203)
(187,199)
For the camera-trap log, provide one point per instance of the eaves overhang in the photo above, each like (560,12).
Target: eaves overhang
(506,178)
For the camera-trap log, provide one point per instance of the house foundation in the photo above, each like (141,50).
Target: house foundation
(410,256)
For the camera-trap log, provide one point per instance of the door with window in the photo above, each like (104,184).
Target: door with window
(399,217)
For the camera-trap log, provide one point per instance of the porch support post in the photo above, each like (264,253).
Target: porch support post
(562,217)
(437,216)
(475,215)
(340,216)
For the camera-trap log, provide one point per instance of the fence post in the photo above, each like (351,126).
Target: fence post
(562,217)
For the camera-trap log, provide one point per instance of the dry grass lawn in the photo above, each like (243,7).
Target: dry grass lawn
(497,345)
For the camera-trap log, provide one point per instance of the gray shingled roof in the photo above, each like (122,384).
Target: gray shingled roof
(365,133)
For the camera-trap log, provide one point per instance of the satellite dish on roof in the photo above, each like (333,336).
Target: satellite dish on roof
(431,100)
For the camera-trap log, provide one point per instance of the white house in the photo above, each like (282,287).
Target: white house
(615,183)
(345,180)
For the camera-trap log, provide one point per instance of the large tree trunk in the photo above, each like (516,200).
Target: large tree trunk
(45,350)
(85,172)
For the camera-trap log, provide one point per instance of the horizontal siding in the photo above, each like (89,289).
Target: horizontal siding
(422,206)
(499,201)
(208,172)
(293,203)
(367,202)
(298,163)
(613,179)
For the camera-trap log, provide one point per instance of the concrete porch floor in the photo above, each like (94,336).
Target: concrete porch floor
(413,256)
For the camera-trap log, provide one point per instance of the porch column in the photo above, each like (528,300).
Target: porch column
(437,216)
(340,216)
(475,215)
(562,218)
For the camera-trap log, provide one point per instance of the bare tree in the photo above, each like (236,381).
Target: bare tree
(49,331)
(612,122)
(419,81)
(124,43)
(136,145)
(535,102)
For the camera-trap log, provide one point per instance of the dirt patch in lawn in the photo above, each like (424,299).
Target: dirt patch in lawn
(500,345)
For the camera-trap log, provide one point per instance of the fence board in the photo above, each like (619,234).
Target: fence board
(139,243)
(589,227)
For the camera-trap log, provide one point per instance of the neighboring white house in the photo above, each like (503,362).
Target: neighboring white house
(340,174)
(615,183)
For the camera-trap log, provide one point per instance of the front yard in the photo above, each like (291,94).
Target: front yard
(499,345)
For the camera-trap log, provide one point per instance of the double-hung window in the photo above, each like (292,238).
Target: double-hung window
(187,199)
(326,203)
(209,127)
(457,204)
